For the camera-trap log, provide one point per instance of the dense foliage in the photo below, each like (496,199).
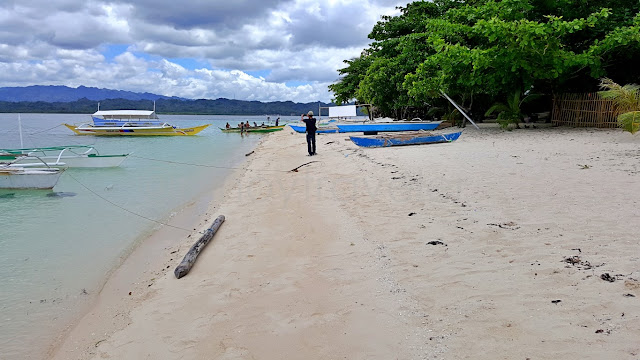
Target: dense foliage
(164,106)
(481,52)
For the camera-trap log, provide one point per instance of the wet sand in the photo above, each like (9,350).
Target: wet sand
(502,245)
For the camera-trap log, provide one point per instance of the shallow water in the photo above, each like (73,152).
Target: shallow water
(57,247)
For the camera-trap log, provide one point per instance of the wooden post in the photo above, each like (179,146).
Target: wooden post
(192,254)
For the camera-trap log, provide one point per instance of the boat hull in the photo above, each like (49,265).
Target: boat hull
(388,127)
(303,129)
(88,129)
(20,178)
(418,139)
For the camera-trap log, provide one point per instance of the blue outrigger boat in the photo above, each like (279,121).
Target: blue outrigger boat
(374,127)
(321,130)
(414,138)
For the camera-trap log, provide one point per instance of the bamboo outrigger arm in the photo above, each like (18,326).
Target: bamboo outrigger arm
(459,109)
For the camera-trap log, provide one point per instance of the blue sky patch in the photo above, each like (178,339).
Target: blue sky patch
(110,51)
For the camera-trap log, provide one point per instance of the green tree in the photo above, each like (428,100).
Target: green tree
(486,49)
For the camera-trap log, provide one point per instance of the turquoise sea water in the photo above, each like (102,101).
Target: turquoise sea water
(57,246)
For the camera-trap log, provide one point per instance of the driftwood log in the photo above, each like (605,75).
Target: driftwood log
(192,254)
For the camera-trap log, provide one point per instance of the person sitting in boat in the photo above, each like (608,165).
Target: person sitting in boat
(255,124)
(262,125)
(228,126)
(247,125)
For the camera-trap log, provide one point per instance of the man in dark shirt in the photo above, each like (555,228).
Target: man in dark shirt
(310,121)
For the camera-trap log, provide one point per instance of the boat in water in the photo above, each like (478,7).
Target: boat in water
(133,130)
(401,139)
(253,129)
(77,156)
(13,176)
(122,117)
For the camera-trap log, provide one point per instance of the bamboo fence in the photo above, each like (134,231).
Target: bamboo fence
(584,110)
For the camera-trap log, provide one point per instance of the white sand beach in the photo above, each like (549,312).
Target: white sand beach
(495,246)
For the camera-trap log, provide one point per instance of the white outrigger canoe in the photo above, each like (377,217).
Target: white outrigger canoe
(13,177)
(78,156)
(133,130)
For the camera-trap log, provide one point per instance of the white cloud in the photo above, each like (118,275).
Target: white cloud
(67,42)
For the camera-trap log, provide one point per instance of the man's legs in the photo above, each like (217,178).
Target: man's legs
(311,137)
(313,144)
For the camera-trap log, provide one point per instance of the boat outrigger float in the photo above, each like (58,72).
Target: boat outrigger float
(132,130)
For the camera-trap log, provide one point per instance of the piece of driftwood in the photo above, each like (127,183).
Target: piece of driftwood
(296,169)
(249,153)
(190,258)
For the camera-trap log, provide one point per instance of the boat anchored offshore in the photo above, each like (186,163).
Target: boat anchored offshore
(128,129)
(253,129)
(122,117)
(18,177)
(79,156)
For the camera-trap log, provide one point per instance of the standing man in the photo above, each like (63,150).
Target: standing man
(310,121)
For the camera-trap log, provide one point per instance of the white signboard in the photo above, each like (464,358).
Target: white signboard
(342,111)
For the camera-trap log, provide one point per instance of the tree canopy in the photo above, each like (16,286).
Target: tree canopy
(487,50)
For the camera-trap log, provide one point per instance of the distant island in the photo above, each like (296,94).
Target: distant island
(84,100)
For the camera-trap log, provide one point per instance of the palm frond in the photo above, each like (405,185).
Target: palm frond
(630,121)
(626,98)
(499,107)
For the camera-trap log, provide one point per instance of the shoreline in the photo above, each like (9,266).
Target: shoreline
(139,268)
(438,251)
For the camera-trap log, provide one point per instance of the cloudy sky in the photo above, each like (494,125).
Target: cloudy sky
(265,50)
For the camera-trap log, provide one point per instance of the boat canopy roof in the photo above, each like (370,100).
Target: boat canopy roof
(126,114)
(340,111)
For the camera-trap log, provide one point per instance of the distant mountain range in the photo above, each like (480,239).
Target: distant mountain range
(52,93)
(63,99)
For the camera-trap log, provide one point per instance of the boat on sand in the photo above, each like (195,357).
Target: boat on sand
(321,129)
(406,138)
(372,127)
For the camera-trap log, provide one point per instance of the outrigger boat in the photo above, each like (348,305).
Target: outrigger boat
(320,130)
(133,130)
(19,177)
(373,127)
(82,156)
(122,117)
(28,178)
(409,138)
(259,129)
